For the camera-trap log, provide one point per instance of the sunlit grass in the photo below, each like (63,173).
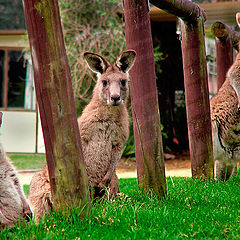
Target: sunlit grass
(28,161)
(192,209)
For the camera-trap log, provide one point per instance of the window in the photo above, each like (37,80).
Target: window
(16,81)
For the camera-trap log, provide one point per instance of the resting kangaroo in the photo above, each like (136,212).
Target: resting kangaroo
(225,116)
(104,129)
(13,203)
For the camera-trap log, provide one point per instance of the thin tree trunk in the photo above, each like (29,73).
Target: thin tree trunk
(195,81)
(68,178)
(145,110)
(226,38)
(197,98)
(1,115)
(224,59)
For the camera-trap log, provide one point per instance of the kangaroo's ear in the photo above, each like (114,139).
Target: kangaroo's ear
(96,62)
(238,19)
(126,60)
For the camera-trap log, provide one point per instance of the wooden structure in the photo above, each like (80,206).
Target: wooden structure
(195,81)
(145,110)
(217,11)
(226,39)
(68,178)
(1,115)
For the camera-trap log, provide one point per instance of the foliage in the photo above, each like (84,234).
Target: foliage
(193,209)
(94,26)
(170,84)
(209,33)
(12,15)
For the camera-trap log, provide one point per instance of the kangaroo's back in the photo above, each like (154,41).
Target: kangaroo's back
(226,122)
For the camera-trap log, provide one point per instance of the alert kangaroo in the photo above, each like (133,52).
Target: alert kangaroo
(225,117)
(104,130)
(13,203)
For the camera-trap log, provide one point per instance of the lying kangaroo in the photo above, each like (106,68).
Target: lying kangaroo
(13,203)
(104,129)
(225,116)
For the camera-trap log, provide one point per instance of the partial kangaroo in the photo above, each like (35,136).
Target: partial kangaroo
(104,129)
(225,116)
(13,203)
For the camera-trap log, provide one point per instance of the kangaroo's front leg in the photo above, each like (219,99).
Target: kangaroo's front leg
(115,157)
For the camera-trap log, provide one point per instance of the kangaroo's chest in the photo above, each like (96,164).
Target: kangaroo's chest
(106,131)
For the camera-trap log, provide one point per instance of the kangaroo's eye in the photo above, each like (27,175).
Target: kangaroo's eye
(123,82)
(104,82)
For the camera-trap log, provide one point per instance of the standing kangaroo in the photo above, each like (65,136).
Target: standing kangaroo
(225,117)
(104,129)
(13,203)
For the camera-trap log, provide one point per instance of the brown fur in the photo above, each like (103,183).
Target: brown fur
(103,128)
(13,203)
(225,116)
(40,194)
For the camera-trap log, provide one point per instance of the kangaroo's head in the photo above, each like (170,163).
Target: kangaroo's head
(112,85)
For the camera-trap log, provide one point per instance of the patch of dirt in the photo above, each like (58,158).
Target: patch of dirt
(178,165)
(179,162)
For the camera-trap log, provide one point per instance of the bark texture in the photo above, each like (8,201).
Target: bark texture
(145,110)
(68,178)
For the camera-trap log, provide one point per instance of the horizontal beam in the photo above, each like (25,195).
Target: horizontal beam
(184,9)
(222,31)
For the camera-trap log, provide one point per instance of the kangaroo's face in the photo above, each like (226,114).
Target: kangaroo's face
(112,85)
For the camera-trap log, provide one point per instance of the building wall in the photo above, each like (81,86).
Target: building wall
(20,132)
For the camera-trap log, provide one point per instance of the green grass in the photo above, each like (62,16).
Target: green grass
(28,161)
(192,209)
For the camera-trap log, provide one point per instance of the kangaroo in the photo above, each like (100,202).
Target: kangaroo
(225,118)
(104,129)
(13,203)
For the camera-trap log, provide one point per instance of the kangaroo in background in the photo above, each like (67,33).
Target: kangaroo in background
(104,129)
(225,117)
(13,203)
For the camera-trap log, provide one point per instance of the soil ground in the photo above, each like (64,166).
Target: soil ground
(177,167)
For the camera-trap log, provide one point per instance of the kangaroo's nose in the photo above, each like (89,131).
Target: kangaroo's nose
(115,99)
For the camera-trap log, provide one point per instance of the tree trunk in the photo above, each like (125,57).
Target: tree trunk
(226,38)
(195,81)
(224,59)
(1,115)
(197,98)
(68,178)
(145,110)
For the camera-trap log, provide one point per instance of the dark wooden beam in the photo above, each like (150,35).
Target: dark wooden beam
(145,110)
(184,9)
(68,178)
(195,81)
(197,99)
(226,39)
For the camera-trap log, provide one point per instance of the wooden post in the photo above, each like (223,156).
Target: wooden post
(197,98)
(195,81)
(1,115)
(226,39)
(145,110)
(224,59)
(68,178)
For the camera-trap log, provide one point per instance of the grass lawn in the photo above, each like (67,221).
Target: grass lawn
(192,209)
(28,161)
